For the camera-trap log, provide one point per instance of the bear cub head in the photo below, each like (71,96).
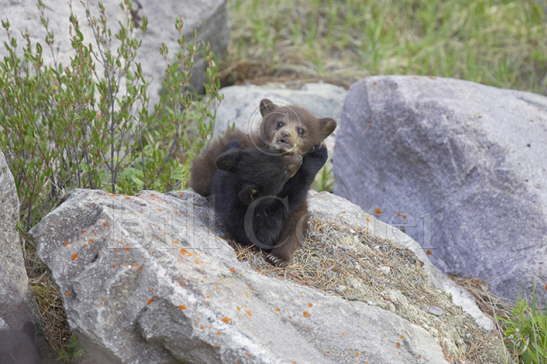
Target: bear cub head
(292,129)
(260,173)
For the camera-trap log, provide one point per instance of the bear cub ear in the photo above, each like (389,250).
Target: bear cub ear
(266,107)
(326,126)
(228,160)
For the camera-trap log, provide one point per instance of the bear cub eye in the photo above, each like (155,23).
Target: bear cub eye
(279,125)
(301,131)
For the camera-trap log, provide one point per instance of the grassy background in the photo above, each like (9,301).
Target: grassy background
(497,42)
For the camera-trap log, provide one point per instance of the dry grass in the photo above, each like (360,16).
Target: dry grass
(358,266)
(53,320)
(261,73)
(495,307)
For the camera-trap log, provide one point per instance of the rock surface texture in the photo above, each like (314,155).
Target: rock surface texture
(461,167)
(207,18)
(148,279)
(17,342)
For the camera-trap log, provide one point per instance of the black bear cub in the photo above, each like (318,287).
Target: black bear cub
(245,188)
(260,198)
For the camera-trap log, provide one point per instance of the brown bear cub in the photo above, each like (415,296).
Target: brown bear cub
(274,210)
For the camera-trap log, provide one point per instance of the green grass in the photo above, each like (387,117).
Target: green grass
(500,43)
(525,332)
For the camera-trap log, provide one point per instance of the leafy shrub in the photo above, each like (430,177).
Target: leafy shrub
(525,332)
(87,124)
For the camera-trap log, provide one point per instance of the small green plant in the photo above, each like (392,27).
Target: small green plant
(525,332)
(71,351)
(324,181)
(87,124)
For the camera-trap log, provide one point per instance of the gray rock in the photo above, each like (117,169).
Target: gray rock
(335,208)
(459,166)
(15,298)
(437,311)
(207,17)
(147,279)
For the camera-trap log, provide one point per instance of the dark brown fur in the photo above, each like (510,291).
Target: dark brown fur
(285,139)
(204,165)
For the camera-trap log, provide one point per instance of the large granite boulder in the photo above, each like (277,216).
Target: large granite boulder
(460,166)
(208,18)
(148,279)
(17,335)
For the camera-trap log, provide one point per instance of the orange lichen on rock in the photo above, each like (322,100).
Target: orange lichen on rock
(185,252)
(232,270)
(226,320)
(74,256)
(306,314)
(182,307)
(428,252)
(152,299)
(68,293)
(67,243)
(183,284)
(377,211)
(249,313)
(397,345)
(310,304)
(401,215)
(277,309)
